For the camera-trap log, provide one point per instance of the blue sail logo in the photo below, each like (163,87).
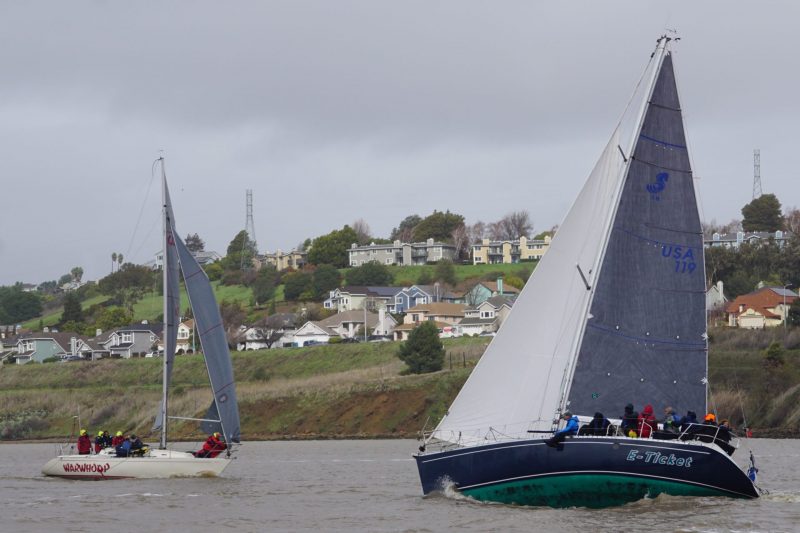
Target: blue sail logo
(660,184)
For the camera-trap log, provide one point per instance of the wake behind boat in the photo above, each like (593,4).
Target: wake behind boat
(613,314)
(222,416)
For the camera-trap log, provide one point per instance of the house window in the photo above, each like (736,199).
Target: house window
(127,337)
(421,300)
(388,260)
(487,314)
(415,317)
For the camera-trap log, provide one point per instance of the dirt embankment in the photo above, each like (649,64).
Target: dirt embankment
(347,391)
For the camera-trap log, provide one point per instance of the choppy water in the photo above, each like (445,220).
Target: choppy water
(355,486)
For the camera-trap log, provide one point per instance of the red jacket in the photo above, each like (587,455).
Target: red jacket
(647,422)
(212,447)
(117,440)
(84,445)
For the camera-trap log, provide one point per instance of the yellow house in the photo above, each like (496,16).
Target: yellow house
(522,249)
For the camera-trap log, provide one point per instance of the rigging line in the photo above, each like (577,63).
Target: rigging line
(690,232)
(657,242)
(663,167)
(647,340)
(663,143)
(662,106)
(144,203)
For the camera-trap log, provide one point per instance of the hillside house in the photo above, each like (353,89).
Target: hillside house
(509,251)
(36,347)
(400,253)
(445,315)
(134,340)
(487,317)
(764,308)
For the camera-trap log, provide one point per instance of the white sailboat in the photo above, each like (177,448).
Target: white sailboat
(222,416)
(613,314)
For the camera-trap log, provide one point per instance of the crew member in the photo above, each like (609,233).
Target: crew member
(118,439)
(212,447)
(99,442)
(647,422)
(570,429)
(107,440)
(630,421)
(124,449)
(84,443)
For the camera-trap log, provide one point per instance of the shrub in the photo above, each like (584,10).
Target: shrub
(773,356)
(423,351)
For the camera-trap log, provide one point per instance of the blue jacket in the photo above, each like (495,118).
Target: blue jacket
(571,428)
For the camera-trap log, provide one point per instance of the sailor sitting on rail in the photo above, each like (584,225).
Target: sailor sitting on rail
(570,429)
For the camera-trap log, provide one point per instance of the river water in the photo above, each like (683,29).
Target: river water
(369,485)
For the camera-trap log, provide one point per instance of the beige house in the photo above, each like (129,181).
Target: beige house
(282,260)
(522,249)
(445,315)
(764,308)
(402,253)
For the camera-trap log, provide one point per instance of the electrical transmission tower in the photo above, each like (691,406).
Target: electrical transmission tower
(249,247)
(756,173)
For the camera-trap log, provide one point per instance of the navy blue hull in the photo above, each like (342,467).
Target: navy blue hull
(584,471)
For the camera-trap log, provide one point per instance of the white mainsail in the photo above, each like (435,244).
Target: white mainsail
(521,381)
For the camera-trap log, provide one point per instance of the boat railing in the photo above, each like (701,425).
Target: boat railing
(710,433)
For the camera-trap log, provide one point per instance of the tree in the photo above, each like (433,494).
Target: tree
(265,283)
(331,249)
(113,261)
(120,260)
(773,356)
(128,284)
(793,318)
(762,214)
(362,230)
(73,312)
(445,272)
(77,274)
(240,253)
(214,270)
(460,238)
(298,285)
(194,243)
(270,329)
(405,231)
(17,305)
(476,232)
(423,351)
(512,226)
(233,317)
(437,226)
(792,221)
(370,273)
(113,317)
(326,278)
(63,280)
(48,287)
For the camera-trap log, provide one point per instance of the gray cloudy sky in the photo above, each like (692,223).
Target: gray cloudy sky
(332,111)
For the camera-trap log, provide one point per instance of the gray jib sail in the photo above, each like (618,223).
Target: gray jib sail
(645,335)
(172,295)
(212,339)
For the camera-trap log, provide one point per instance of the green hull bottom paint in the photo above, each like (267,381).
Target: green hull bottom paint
(585,490)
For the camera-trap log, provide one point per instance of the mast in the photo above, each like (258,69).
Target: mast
(165,271)
(658,55)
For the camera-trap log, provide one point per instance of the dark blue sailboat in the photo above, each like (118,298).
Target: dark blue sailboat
(613,314)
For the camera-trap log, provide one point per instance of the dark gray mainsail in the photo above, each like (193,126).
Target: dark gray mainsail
(215,346)
(645,335)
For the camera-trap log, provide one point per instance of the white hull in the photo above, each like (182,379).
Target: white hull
(154,464)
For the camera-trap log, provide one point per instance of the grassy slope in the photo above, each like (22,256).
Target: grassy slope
(343,390)
(332,390)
